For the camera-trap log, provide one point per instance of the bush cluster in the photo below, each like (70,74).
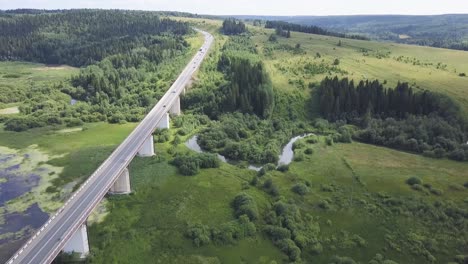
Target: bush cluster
(290,231)
(190,164)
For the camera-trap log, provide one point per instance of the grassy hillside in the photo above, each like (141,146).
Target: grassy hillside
(428,68)
(447,31)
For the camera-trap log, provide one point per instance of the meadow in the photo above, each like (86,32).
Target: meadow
(349,187)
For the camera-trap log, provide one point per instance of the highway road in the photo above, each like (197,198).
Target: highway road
(50,239)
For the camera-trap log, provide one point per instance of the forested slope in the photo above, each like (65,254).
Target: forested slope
(79,37)
(129,58)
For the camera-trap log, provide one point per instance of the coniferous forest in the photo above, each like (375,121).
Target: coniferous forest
(233,27)
(417,121)
(80,37)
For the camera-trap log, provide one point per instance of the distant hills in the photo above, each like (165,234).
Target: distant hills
(445,31)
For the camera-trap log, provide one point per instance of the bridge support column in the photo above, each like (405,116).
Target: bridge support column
(164,122)
(78,243)
(122,184)
(175,108)
(147,149)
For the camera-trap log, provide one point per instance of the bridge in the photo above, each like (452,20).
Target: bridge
(66,229)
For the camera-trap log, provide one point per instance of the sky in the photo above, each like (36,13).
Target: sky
(259,7)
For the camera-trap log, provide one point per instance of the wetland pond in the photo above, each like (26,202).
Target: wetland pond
(24,175)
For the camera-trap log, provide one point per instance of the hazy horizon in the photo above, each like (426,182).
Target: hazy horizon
(259,7)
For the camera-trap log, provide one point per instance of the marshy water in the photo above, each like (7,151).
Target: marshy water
(285,158)
(21,172)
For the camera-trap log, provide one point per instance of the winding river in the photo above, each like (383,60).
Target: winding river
(285,158)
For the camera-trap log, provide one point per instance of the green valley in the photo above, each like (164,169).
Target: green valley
(377,132)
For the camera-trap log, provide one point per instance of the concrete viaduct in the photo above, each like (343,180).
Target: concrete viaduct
(66,229)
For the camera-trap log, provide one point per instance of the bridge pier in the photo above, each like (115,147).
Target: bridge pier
(164,122)
(78,243)
(147,149)
(122,184)
(175,108)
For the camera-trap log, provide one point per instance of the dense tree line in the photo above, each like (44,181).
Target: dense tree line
(233,27)
(342,99)
(284,33)
(281,26)
(79,37)
(250,89)
(417,121)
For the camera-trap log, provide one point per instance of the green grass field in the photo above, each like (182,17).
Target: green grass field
(150,224)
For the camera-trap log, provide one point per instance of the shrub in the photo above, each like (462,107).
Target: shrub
(462,74)
(327,188)
(289,247)
(342,260)
(309,151)
(312,139)
(298,145)
(176,140)
(208,160)
(274,191)
(458,155)
(190,164)
(427,186)
(413,181)
(254,181)
(277,233)
(261,172)
(269,167)
(417,187)
(283,167)
(298,157)
(268,183)
(324,204)
(116,118)
(200,234)
(456,187)
(72,122)
(329,141)
(300,189)
(336,62)
(244,204)
(436,191)
(189,168)
(248,228)
(316,248)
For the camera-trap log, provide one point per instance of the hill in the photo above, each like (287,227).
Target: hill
(445,31)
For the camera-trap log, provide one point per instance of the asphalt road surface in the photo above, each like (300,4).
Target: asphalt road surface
(49,240)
